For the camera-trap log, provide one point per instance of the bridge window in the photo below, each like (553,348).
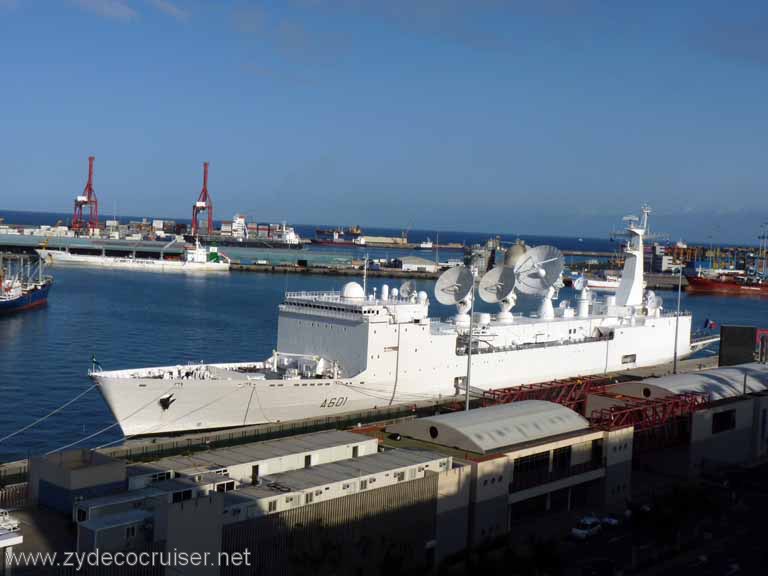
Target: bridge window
(629,359)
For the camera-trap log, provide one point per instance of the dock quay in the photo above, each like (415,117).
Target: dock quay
(152,448)
(144,248)
(331,270)
(654,281)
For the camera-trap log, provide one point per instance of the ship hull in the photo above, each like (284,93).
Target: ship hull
(701,285)
(60,258)
(245,243)
(142,406)
(342,243)
(30,299)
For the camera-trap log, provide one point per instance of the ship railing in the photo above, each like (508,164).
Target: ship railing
(323,296)
(672,314)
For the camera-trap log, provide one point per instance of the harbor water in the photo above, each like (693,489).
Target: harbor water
(130,319)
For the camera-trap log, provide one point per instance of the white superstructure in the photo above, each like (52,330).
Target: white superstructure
(197,259)
(348,351)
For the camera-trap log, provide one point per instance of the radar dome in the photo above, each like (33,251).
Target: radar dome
(352,290)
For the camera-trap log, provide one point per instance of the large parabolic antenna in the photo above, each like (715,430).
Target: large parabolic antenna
(407,289)
(454,285)
(497,284)
(538,270)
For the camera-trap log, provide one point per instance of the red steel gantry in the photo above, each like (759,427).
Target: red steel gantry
(203,204)
(87,200)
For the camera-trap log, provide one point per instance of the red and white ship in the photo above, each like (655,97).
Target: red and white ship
(727,284)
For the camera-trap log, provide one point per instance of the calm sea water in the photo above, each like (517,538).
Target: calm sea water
(142,319)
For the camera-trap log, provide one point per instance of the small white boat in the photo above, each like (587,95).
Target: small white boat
(197,259)
(426,244)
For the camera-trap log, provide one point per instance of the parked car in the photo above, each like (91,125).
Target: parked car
(610,520)
(587,527)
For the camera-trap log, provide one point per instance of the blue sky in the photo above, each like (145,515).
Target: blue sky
(550,116)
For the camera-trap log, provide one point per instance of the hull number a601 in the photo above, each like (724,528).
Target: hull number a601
(335,402)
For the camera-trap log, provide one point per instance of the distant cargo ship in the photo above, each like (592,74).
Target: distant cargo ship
(339,237)
(257,242)
(239,233)
(728,284)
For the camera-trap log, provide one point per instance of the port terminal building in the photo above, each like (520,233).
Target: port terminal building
(456,480)
(337,501)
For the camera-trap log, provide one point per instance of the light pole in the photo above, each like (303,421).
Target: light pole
(473,270)
(677,316)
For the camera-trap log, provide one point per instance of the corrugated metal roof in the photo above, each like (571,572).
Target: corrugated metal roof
(254,452)
(95,244)
(486,429)
(719,383)
(298,480)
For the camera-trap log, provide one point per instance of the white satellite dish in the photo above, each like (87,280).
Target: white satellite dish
(538,270)
(454,285)
(496,284)
(407,289)
(579,283)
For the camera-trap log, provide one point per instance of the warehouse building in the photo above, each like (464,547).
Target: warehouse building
(418,264)
(528,459)
(729,428)
(380,507)
(288,490)
(248,462)
(112,520)
(298,516)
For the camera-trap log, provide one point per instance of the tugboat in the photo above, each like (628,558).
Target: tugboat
(18,289)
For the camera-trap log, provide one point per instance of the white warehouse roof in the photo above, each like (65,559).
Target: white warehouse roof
(719,383)
(253,452)
(487,429)
(417,261)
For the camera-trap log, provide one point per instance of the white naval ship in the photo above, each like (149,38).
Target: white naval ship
(349,351)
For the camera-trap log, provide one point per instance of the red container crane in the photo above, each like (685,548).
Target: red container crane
(203,204)
(87,201)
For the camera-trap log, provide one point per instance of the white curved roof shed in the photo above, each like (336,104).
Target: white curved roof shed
(487,429)
(719,383)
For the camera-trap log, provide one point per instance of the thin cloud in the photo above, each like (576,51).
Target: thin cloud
(170,9)
(111,9)
(8,4)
